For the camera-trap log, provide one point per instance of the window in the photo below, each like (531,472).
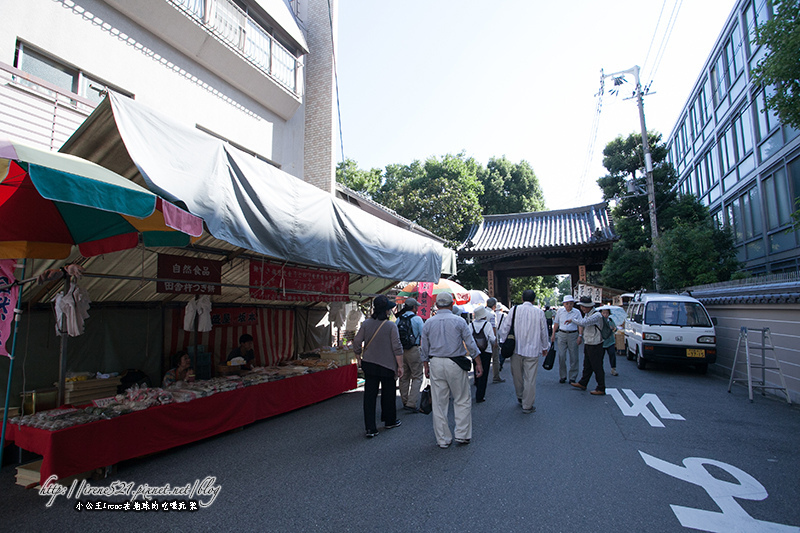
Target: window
(71,80)
(755,14)
(776,190)
(767,119)
(744,216)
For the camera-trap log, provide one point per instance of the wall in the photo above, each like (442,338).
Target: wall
(784,323)
(93,37)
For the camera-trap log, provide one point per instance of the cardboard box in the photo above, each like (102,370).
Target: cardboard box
(619,340)
(342,357)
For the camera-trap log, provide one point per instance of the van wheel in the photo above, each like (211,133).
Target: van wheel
(629,355)
(641,364)
(702,368)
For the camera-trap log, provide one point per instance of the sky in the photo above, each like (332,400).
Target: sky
(514,78)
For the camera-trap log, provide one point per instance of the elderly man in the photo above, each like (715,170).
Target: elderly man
(442,350)
(592,325)
(409,325)
(566,336)
(491,304)
(530,332)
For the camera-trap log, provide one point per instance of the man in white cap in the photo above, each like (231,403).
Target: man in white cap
(442,350)
(409,326)
(567,337)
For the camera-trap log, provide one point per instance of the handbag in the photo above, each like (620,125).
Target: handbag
(510,344)
(464,362)
(425,402)
(550,359)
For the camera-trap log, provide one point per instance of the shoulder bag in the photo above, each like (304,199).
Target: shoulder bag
(508,346)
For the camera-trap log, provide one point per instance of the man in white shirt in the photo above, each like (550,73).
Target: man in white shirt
(491,303)
(567,337)
(530,332)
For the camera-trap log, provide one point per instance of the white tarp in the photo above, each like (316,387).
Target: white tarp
(252,204)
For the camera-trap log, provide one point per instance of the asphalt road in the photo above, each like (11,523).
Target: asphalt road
(579,463)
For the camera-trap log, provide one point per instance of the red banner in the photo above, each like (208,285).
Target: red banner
(234,316)
(317,285)
(192,275)
(425,299)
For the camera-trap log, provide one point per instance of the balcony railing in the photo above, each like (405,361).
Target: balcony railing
(38,112)
(226,21)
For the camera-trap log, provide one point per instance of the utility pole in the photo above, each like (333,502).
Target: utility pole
(648,161)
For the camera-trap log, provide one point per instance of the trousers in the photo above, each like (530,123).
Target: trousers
(411,381)
(524,370)
(593,364)
(567,345)
(448,379)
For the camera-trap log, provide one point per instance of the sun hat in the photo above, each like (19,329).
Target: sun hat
(382,303)
(568,298)
(585,301)
(481,312)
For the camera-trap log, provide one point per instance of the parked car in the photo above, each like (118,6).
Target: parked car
(670,327)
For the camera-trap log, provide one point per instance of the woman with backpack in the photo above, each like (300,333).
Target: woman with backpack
(609,341)
(483,333)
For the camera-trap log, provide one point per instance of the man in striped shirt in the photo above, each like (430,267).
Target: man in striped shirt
(530,331)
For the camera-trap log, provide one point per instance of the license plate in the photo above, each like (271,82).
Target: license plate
(695,353)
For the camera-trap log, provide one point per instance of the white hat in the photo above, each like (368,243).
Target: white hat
(568,298)
(481,312)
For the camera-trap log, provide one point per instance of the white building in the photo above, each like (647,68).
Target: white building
(240,70)
(735,156)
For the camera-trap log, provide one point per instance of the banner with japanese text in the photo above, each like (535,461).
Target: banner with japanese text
(425,300)
(190,274)
(279,283)
(234,316)
(8,301)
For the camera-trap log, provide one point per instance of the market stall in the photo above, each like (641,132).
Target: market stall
(85,447)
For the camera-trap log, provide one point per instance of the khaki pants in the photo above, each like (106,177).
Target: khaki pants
(447,379)
(524,370)
(495,363)
(411,382)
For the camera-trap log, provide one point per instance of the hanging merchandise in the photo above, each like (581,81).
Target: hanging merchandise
(8,301)
(337,311)
(74,305)
(188,315)
(204,313)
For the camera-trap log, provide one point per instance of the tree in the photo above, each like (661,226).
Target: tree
(510,188)
(781,65)
(366,182)
(696,254)
(630,263)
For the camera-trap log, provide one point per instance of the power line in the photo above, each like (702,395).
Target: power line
(655,32)
(592,135)
(663,46)
(336,78)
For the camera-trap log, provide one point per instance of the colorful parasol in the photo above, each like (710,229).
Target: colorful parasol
(51,201)
(460,294)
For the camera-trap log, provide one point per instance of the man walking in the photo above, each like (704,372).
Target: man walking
(565,335)
(409,326)
(530,331)
(491,304)
(593,347)
(446,340)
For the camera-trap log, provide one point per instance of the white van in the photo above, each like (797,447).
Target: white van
(670,327)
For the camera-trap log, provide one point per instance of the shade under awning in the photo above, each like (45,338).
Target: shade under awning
(249,203)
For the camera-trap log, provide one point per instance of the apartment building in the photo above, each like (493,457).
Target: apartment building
(735,155)
(240,70)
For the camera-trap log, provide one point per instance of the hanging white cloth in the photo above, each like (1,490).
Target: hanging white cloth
(75,307)
(337,313)
(201,308)
(204,313)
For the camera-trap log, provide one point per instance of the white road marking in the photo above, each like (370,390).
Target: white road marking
(639,407)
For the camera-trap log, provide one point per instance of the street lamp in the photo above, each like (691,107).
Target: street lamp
(619,79)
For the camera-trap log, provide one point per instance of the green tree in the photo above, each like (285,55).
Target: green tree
(781,65)
(695,253)
(364,181)
(630,262)
(543,286)
(510,188)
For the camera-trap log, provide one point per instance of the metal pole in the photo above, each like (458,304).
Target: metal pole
(651,189)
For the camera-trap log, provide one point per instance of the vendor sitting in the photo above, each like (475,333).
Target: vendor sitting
(182,372)
(244,350)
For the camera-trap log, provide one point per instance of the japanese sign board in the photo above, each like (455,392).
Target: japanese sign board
(191,275)
(279,281)
(425,294)
(595,293)
(234,316)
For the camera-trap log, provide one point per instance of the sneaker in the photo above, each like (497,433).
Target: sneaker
(529,411)
(562,380)
(498,380)
(371,434)
(393,424)
(614,372)
(444,446)
(462,442)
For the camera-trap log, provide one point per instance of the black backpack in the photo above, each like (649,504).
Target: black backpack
(480,338)
(406,332)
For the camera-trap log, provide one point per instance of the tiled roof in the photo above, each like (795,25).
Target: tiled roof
(541,231)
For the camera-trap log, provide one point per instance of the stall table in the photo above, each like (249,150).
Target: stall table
(106,442)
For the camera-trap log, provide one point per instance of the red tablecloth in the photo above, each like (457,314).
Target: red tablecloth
(106,442)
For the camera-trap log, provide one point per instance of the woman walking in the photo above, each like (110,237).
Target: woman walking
(382,363)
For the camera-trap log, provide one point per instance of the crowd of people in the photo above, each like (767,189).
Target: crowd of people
(446,347)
